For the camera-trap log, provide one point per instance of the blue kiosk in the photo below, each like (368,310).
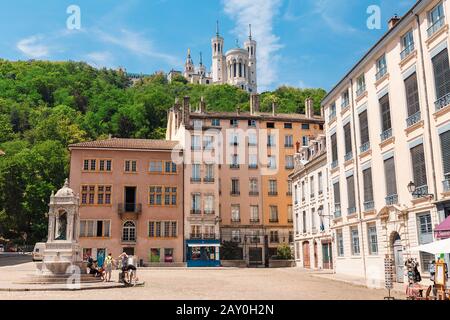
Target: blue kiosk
(203,253)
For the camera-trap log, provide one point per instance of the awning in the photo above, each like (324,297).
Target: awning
(203,244)
(442,231)
(437,247)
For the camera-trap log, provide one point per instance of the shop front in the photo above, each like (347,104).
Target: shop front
(202,253)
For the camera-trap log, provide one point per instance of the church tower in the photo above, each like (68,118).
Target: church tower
(250,46)
(218,58)
(201,68)
(189,68)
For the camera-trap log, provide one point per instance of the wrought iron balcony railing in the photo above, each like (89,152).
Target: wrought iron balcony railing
(334,164)
(129,208)
(446,185)
(351,210)
(442,102)
(337,210)
(348,156)
(360,90)
(386,134)
(413,119)
(391,200)
(420,192)
(364,147)
(381,73)
(435,26)
(407,51)
(369,205)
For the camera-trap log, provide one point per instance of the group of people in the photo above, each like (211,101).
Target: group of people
(103,269)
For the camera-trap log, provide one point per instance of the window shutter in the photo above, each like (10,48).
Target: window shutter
(441,73)
(385,112)
(334,147)
(351,192)
(364,127)
(412,94)
(418,163)
(389,171)
(347,138)
(445,150)
(337,193)
(368,189)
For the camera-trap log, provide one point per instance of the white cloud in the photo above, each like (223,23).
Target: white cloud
(329,11)
(99,59)
(137,44)
(260,14)
(32,47)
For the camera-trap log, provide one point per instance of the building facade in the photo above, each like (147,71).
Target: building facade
(131,199)
(388,141)
(312,234)
(237,166)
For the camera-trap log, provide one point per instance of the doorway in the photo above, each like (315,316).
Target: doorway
(316,258)
(130,199)
(129,251)
(398,257)
(306,255)
(255,256)
(327,255)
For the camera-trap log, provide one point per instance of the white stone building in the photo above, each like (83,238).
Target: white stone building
(312,235)
(388,124)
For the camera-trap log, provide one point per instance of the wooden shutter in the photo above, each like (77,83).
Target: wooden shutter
(441,73)
(418,163)
(412,94)
(445,150)
(351,191)
(389,171)
(385,113)
(337,193)
(334,147)
(368,189)
(348,138)
(364,127)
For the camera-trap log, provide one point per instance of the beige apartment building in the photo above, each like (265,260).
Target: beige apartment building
(388,141)
(131,199)
(236,178)
(312,234)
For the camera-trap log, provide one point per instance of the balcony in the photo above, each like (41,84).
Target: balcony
(334,164)
(332,115)
(380,74)
(196,180)
(273,220)
(272,193)
(195,148)
(411,120)
(210,212)
(235,220)
(435,27)
(360,90)
(196,211)
(129,208)
(289,167)
(407,51)
(253,193)
(128,240)
(369,205)
(344,104)
(208,180)
(391,200)
(446,185)
(254,220)
(235,193)
(196,236)
(337,211)
(234,166)
(348,156)
(364,147)
(442,102)
(386,134)
(209,236)
(351,210)
(253,166)
(420,192)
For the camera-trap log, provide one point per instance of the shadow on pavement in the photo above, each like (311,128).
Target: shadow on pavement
(12,259)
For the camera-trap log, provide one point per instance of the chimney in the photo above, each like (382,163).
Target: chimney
(393,21)
(202,105)
(309,108)
(186,110)
(177,109)
(254,103)
(274,108)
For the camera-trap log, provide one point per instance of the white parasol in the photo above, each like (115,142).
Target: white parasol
(437,247)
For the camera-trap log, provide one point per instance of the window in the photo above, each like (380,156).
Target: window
(304,222)
(155,167)
(340,243)
(351,194)
(95,228)
(332,114)
(91,195)
(170,196)
(289,188)
(254,214)
(105,165)
(407,44)
(381,67)
(289,159)
(425,230)
(355,241)
(347,140)
(289,213)
(288,141)
(360,85)
(270,125)
(252,140)
(345,99)
(368,189)
(313,220)
(445,151)
(337,200)
(168,252)
(234,161)
(274,237)
(320,182)
(196,231)
(235,190)
(305,126)
(170,167)
(389,172)
(435,19)
(252,123)
(271,163)
(162,229)
(271,140)
(334,151)
(129,231)
(373,239)
(385,115)
(234,122)
(252,161)
(130,166)
(209,176)
(441,78)
(273,214)
(103,195)
(236,235)
(364,131)
(235,213)
(215,122)
(288,125)
(195,142)
(253,186)
(155,195)
(155,255)
(273,188)
(209,204)
(412,99)
(418,166)
(85,165)
(311,187)
(305,140)
(195,203)
(195,172)
(208,142)
(234,139)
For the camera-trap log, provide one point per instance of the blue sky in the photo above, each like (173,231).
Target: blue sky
(302,43)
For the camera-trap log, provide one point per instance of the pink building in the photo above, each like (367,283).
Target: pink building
(131,199)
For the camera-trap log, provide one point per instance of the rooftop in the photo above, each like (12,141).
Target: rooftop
(119,143)
(257,115)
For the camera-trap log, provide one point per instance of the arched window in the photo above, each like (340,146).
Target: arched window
(240,69)
(245,71)
(234,69)
(252,50)
(219,47)
(129,231)
(215,47)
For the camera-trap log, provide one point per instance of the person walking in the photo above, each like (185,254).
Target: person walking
(124,261)
(109,261)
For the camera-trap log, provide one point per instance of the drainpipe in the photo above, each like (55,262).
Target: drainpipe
(356,174)
(427,107)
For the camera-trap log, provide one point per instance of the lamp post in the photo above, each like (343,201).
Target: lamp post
(418,192)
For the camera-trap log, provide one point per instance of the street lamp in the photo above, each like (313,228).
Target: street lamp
(411,187)
(418,192)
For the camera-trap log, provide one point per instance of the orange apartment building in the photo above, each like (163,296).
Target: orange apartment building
(243,195)
(131,199)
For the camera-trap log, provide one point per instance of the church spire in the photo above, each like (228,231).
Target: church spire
(201,59)
(250,31)
(217,27)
